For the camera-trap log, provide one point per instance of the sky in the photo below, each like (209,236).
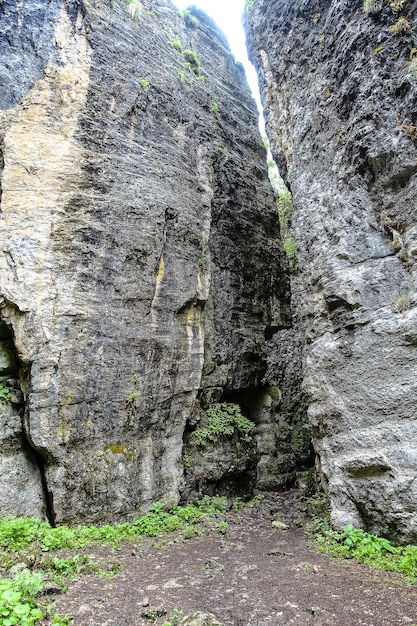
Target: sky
(228,16)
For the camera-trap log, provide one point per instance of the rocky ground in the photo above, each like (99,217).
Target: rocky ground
(256,574)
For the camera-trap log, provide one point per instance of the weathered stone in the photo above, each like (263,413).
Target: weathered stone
(201,619)
(139,258)
(339,90)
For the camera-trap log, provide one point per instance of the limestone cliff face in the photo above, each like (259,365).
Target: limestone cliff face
(339,86)
(139,261)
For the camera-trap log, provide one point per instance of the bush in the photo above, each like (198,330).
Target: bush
(224,421)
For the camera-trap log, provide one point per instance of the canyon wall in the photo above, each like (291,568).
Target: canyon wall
(339,86)
(140,262)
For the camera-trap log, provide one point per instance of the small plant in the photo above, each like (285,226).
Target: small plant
(224,421)
(370,6)
(181,77)
(61,620)
(188,18)
(134,7)
(192,62)
(291,252)
(410,130)
(376,552)
(176,44)
(174,620)
(5,394)
(403,303)
(145,83)
(249,4)
(131,398)
(316,18)
(401,27)
(214,108)
(18,599)
(119,448)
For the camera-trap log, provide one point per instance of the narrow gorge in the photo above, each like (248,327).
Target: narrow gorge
(157,341)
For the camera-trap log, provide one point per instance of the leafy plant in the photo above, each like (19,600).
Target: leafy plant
(214,108)
(371,6)
(192,62)
(366,548)
(5,394)
(175,43)
(188,18)
(224,420)
(291,252)
(18,599)
(181,77)
(144,83)
(174,620)
(61,620)
(131,398)
(401,27)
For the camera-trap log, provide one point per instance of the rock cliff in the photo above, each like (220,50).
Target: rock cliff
(339,86)
(139,257)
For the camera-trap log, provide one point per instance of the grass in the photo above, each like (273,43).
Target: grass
(366,548)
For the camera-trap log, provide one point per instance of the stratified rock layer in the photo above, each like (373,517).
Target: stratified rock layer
(139,258)
(340,91)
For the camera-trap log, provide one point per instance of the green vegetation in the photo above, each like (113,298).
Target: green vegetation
(291,252)
(224,420)
(18,599)
(192,62)
(368,549)
(188,18)
(249,4)
(174,620)
(370,6)
(21,539)
(401,27)
(132,397)
(5,394)
(214,108)
(181,77)
(175,43)
(142,81)
(403,302)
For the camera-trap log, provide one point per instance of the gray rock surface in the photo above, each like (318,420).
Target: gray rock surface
(139,261)
(339,88)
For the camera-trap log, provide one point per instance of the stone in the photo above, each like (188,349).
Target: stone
(140,259)
(339,92)
(200,619)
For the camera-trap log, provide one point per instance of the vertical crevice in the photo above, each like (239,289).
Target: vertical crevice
(48,495)
(14,383)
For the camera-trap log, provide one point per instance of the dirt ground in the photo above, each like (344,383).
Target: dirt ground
(253,575)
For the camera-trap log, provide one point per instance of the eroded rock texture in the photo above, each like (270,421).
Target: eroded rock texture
(339,86)
(139,257)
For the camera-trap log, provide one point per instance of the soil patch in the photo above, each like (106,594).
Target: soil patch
(256,574)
